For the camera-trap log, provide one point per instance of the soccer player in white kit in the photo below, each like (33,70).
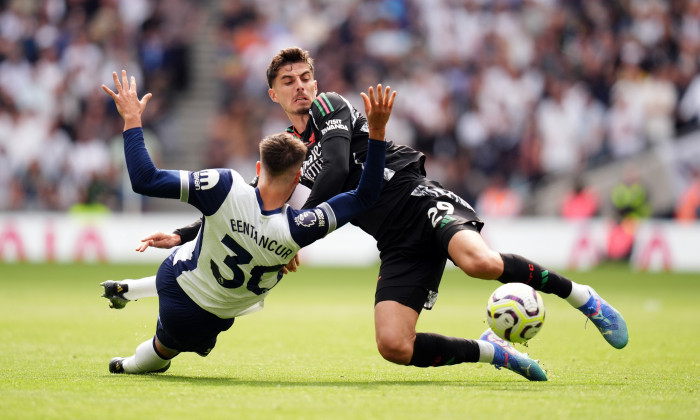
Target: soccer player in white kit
(248,234)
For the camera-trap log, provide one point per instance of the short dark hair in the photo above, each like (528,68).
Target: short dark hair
(281,152)
(286,56)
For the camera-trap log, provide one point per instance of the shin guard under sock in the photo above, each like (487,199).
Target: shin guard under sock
(145,359)
(140,288)
(438,350)
(517,269)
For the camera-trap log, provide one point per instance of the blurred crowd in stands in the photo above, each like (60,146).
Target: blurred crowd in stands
(501,94)
(60,142)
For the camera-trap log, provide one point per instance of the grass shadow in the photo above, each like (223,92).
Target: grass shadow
(504,384)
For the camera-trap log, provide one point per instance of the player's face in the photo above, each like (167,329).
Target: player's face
(294,88)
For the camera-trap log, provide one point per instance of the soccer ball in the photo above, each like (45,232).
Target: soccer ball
(515,312)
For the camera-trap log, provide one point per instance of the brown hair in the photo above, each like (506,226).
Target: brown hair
(287,56)
(281,152)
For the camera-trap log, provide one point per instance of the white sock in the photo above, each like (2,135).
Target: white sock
(579,295)
(140,288)
(486,351)
(145,359)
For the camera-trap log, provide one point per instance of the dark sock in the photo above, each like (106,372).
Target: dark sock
(517,269)
(438,350)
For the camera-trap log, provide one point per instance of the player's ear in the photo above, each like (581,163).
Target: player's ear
(297,177)
(257,168)
(273,95)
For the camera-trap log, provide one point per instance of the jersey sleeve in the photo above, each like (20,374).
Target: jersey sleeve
(333,117)
(145,178)
(310,225)
(205,190)
(189,232)
(335,169)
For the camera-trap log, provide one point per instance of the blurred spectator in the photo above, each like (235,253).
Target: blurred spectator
(79,60)
(498,200)
(625,120)
(231,142)
(15,71)
(689,107)
(89,201)
(659,100)
(558,130)
(54,120)
(631,203)
(688,205)
(581,202)
(524,88)
(591,125)
(630,197)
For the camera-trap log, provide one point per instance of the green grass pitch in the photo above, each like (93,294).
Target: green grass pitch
(311,353)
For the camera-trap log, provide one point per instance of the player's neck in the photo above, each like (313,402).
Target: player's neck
(299,121)
(273,196)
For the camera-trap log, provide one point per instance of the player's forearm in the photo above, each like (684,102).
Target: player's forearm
(145,178)
(189,232)
(370,185)
(328,183)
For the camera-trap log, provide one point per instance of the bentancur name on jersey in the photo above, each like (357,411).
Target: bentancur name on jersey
(245,228)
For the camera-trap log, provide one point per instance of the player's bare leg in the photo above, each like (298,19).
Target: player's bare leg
(395,331)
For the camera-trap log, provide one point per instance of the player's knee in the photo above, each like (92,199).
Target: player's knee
(394,348)
(165,352)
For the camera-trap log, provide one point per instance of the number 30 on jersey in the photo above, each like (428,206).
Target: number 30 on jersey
(234,262)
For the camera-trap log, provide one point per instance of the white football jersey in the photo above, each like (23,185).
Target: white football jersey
(237,256)
(241,249)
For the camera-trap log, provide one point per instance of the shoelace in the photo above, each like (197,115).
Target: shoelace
(505,362)
(610,325)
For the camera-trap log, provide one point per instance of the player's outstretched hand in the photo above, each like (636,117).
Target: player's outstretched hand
(291,265)
(127,100)
(378,110)
(159,240)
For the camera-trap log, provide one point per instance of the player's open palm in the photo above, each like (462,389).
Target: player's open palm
(127,100)
(378,110)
